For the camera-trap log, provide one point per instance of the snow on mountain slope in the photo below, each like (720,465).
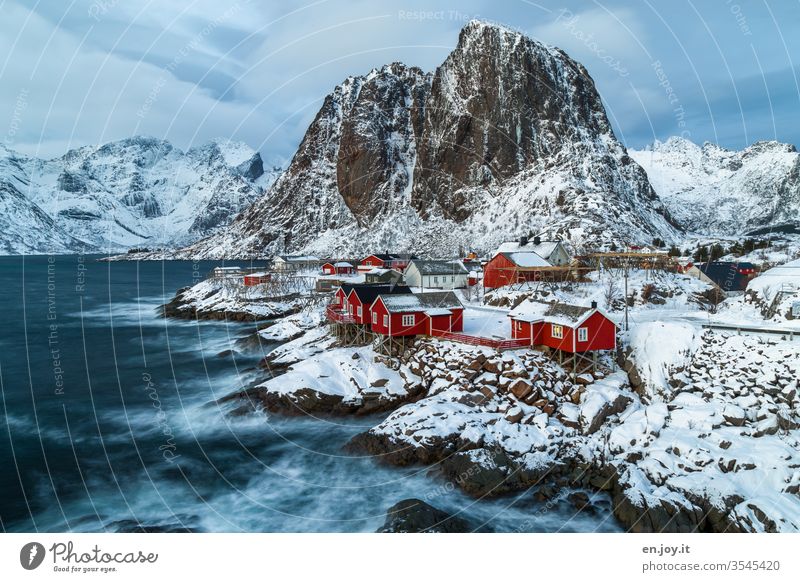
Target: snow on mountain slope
(712,190)
(134,192)
(507,136)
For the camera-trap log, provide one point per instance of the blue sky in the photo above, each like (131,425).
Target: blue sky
(74,73)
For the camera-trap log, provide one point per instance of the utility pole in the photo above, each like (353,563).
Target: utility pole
(626,292)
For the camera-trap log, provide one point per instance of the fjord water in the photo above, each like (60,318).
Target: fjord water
(109,422)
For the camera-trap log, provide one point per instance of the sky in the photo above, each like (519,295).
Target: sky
(80,72)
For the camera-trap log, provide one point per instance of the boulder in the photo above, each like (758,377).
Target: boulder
(416,516)
(521,388)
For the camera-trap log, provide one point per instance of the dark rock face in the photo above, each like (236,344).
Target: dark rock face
(499,103)
(415,516)
(378,137)
(487,138)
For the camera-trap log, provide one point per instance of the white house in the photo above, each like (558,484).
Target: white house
(552,251)
(437,274)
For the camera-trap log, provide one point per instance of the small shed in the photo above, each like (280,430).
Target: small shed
(259,278)
(338,268)
(513,267)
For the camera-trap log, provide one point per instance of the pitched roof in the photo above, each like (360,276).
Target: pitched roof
(433,301)
(440,267)
(558,313)
(526,260)
(543,249)
(368,293)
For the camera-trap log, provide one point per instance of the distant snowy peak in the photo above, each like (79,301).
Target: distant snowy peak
(506,137)
(139,191)
(713,190)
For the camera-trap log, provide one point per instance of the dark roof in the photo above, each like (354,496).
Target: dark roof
(422,302)
(440,267)
(392,256)
(726,275)
(368,293)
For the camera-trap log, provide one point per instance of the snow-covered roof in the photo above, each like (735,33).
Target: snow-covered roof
(558,313)
(342,264)
(258,274)
(440,267)
(436,300)
(543,249)
(527,259)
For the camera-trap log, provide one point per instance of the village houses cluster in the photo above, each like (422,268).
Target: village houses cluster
(389,297)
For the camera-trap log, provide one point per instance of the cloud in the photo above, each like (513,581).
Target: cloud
(98,70)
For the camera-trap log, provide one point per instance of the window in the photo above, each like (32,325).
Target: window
(408,320)
(374,318)
(385,321)
(360,312)
(557,331)
(583,334)
(436,279)
(452,278)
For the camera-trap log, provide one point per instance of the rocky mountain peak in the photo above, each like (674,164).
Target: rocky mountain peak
(506,135)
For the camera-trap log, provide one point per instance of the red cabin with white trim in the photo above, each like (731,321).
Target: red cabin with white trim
(340,268)
(417,314)
(509,268)
(568,328)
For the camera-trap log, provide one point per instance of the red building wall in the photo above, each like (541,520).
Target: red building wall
(353,304)
(328,269)
(339,297)
(422,322)
(601,334)
(500,272)
(372,261)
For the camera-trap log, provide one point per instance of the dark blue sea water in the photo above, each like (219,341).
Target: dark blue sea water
(109,422)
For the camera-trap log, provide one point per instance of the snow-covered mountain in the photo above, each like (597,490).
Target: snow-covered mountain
(715,191)
(134,192)
(508,136)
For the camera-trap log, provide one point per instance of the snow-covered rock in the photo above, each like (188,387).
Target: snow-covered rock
(137,192)
(712,190)
(507,136)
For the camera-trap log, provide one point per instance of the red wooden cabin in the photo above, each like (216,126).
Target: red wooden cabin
(340,268)
(568,328)
(509,268)
(254,279)
(417,314)
(359,299)
(385,261)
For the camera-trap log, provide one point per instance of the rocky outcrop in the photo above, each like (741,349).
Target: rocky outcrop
(137,192)
(507,136)
(415,516)
(713,190)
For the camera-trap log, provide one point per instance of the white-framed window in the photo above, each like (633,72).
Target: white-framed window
(583,334)
(452,278)
(385,321)
(408,320)
(557,331)
(436,279)
(360,311)
(374,318)
(351,310)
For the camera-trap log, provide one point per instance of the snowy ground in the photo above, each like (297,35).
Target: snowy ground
(699,430)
